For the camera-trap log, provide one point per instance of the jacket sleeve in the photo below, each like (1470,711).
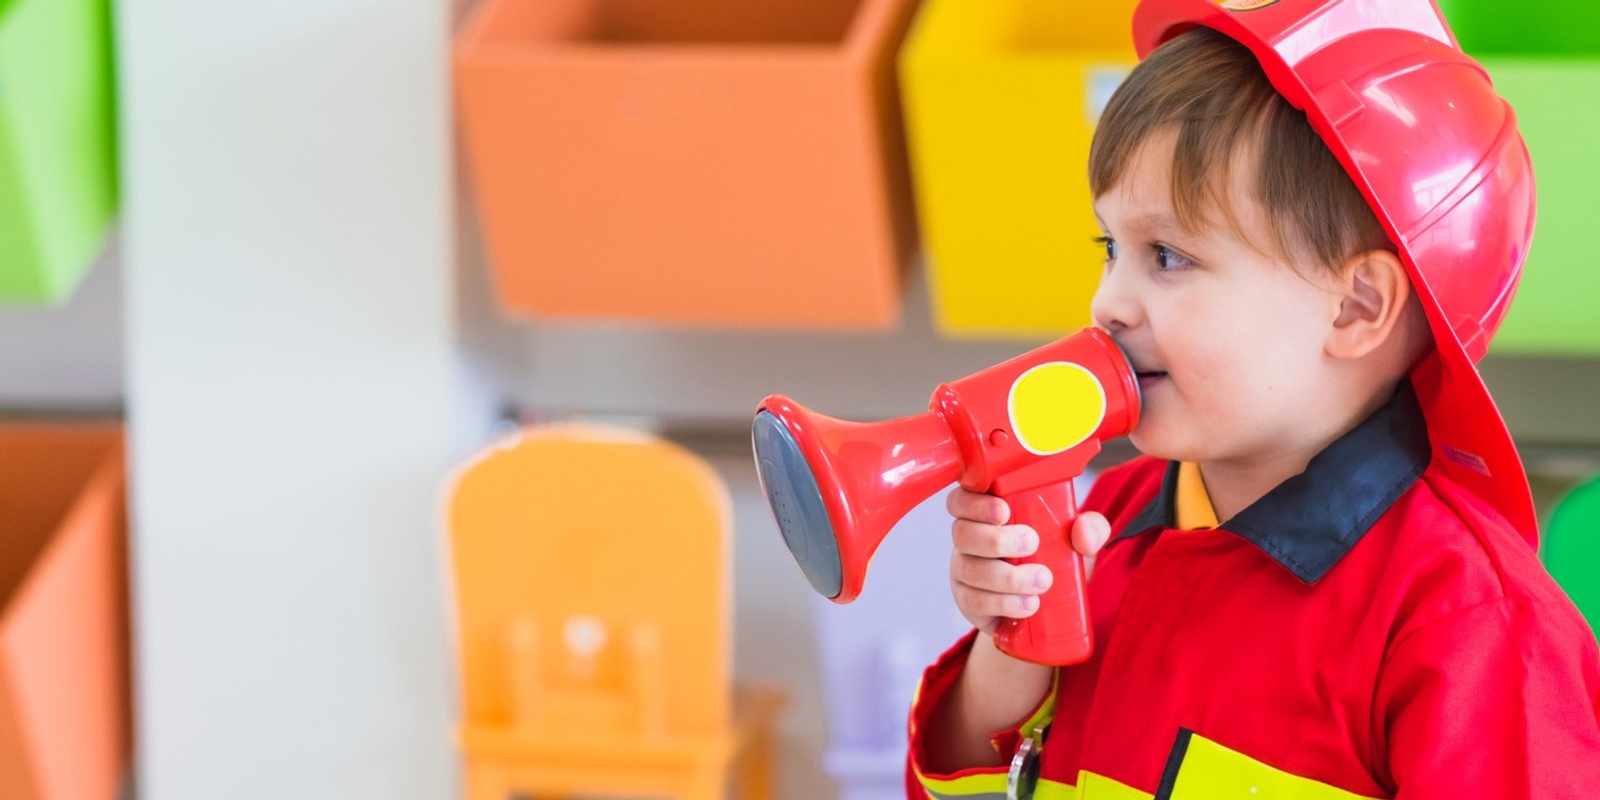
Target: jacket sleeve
(1499,699)
(932,692)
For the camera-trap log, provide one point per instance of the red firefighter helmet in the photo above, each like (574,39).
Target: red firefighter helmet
(1436,152)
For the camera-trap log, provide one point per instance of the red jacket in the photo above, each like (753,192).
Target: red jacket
(1366,629)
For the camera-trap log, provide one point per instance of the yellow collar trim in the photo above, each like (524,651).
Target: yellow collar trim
(1193,502)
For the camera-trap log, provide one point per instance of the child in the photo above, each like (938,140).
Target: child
(1320,581)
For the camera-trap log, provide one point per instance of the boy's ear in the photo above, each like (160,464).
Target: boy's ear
(1372,293)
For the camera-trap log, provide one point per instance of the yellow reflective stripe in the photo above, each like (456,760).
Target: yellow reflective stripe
(1046,711)
(965,788)
(1090,787)
(1099,787)
(1050,790)
(1210,771)
(981,786)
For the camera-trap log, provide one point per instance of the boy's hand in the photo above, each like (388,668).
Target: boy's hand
(987,588)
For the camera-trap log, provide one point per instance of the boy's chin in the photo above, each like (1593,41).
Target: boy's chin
(1145,444)
(1151,443)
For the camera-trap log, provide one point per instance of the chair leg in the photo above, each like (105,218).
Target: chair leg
(756,766)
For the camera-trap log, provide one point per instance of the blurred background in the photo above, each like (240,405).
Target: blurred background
(280,274)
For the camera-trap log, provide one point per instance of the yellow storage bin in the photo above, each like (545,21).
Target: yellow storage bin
(1001,100)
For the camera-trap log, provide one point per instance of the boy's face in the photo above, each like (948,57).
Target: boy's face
(1228,340)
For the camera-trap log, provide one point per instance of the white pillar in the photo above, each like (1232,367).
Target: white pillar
(295,393)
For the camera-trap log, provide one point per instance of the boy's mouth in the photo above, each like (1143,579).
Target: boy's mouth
(1148,377)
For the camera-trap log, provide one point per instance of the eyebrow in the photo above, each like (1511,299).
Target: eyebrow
(1158,223)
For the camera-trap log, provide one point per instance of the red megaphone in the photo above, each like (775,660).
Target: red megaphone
(1021,430)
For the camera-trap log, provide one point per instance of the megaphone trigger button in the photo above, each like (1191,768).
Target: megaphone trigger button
(999,438)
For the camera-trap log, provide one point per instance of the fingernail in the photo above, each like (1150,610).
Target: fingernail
(1041,578)
(1025,543)
(1030,604)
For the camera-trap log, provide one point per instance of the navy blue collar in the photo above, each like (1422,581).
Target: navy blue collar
(1310,521)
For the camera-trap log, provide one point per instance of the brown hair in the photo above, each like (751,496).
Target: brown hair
(1212,91)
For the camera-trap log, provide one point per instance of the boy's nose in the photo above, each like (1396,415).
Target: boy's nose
(1113,307)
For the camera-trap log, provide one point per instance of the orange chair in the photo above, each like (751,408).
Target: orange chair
(592,609)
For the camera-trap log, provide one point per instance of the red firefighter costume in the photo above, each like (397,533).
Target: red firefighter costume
(1367,629)
(1378,626)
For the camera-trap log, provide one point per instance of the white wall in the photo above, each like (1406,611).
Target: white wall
(295,391)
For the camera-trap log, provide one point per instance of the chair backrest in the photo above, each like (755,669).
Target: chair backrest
(1571,548)
(591,540)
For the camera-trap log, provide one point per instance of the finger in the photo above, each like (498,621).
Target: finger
(993,541)
(1090,532)
(980,607)
(963,504)
(994,575)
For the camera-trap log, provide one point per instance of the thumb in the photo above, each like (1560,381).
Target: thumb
(1090,531)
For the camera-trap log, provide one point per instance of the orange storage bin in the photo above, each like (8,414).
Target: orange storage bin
(710,162)
(64,715)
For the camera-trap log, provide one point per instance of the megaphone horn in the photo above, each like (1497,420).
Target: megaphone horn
(836,487)
(1020,430)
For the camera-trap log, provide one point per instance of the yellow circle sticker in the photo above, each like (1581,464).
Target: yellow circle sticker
(1055,406)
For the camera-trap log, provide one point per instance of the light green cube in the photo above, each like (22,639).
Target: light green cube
(1557,307)
(1544,57)
(58,175)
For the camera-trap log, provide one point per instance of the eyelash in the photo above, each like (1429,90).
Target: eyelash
(1109,245)
(1164,255)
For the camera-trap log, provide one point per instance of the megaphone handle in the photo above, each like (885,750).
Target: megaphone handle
(1059,633)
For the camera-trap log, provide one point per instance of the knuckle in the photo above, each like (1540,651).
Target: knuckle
(963,569)
(1020,581)
(983,573)
(961,534)
(1021,540)
(976,538)
(974,603)
(959,502)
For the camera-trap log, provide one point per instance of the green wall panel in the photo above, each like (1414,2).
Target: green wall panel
(1544,57)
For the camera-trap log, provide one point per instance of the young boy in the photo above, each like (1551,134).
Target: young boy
(1318,581)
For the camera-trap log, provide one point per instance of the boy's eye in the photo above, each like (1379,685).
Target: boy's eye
(1167,258)
(1109,244)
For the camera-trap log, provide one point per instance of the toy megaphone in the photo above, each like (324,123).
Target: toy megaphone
(1021,430)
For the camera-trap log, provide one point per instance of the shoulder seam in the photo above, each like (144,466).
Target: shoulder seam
(1477,534)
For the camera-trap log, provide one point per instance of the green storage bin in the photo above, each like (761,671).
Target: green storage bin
(58,187)
(1526,27)
(1571,548)
(1544,57)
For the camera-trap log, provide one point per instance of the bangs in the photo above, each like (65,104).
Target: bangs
(1211,92)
